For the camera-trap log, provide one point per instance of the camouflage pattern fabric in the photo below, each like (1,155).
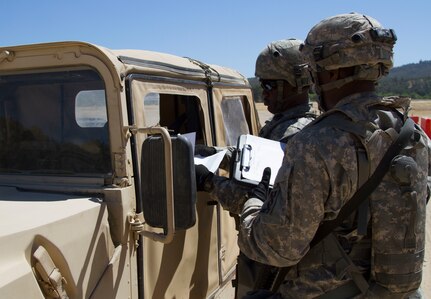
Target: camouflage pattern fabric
(230,194)
(282,60)
(348,40)
(281,127)
(319,174)
(284,125)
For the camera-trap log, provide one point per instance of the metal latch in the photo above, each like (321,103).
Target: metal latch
(48,275)
(246,158)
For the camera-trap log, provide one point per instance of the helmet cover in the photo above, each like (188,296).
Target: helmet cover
(282,60)
(348,40)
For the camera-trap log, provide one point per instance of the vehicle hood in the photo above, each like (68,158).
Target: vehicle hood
(22,210)
(24,214)
(62,223)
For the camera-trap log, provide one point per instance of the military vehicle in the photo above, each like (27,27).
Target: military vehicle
(97,190)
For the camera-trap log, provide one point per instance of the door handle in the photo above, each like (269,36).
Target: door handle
(48,275)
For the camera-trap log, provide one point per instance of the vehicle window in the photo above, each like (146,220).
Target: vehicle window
(152,108)
(181,114)
(54,123)
(90,109)
(235,122)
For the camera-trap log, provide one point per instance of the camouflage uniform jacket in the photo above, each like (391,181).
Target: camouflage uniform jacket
(281,128)
(318,175)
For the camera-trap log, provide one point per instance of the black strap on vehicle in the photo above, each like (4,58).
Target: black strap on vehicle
(360,195)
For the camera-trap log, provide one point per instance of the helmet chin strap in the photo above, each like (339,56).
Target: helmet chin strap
(334,85)
(337,84)
(280,99)
(362,72)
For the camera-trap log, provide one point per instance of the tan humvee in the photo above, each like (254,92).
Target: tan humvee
(94,202)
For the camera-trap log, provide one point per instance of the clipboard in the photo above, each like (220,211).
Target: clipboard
(253,155)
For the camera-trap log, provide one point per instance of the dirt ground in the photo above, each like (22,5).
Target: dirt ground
(420,108)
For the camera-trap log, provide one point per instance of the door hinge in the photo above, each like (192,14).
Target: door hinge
(136,222)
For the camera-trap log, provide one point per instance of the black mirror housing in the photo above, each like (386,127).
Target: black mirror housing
(153,182)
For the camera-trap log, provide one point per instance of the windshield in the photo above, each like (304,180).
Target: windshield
(54,123)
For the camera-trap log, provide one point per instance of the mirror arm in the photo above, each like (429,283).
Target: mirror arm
(168,235)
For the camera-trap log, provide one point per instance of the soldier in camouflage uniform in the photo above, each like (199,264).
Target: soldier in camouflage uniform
(283,73)
(320,173)
(285,80)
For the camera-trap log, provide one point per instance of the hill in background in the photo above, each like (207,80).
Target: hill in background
(412,80)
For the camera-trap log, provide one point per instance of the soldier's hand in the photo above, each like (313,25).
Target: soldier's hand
(203,178)
(204,150)
(262,189)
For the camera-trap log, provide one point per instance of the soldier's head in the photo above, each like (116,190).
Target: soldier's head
(348,50)
(284,75)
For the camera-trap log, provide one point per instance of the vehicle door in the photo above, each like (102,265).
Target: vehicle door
(235,114)
(188,266)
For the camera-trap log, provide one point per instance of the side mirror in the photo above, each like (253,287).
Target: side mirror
(154,183)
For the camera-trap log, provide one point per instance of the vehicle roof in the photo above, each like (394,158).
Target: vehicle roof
(128,61)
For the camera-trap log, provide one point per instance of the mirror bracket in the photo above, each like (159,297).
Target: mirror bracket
(169,233)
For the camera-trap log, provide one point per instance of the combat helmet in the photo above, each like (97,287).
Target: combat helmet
(282,60)
(350,40)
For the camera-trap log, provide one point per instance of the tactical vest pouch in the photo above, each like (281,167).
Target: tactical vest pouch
(398,232)
(397,212)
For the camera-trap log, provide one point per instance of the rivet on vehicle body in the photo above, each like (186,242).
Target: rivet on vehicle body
(6,55)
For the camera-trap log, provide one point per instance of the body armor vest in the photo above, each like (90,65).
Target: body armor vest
(395,212)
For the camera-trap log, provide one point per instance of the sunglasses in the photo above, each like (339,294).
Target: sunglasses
(268,85)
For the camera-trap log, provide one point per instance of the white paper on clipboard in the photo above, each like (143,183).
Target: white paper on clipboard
(211,162)
(257,153)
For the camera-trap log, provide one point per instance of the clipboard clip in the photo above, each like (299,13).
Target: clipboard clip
(245,157)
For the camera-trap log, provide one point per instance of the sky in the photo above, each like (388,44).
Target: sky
(230,33)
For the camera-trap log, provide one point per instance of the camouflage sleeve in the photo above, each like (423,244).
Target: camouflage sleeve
(280,231)
(229,194)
